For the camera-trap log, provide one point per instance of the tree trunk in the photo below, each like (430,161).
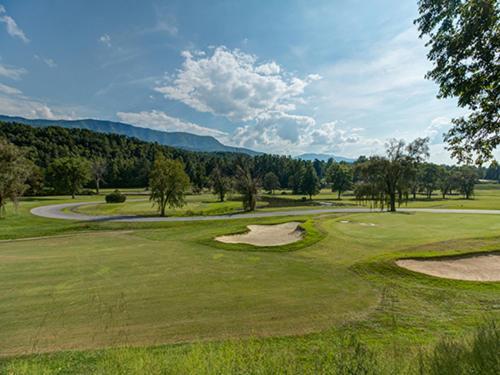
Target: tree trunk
(97,186)
(392,201)
(72,194)
(339,195)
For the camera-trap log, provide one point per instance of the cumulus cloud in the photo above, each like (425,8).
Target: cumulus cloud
(159,120)
(437,128)
(11,26)
(234,84)
(105,39)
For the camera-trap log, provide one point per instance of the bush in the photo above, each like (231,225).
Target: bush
(116,197)
(86,192)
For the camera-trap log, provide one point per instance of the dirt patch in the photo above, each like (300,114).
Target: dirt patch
(267,235)
(483,267)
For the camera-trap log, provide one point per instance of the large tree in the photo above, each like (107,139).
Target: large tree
(270,182)
(15,170)
(221,184)
(168,183)
(310,181)
(340,175)
(69,174)
(464,41)
(247,185)
(98,169)
(384,177)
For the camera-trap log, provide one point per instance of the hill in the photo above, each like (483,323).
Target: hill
(182,140)
(324,157)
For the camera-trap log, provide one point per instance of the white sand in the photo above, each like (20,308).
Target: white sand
(484,267)
(267,235)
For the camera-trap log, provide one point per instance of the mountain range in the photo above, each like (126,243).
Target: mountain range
(324,157)
(182,140)
(187,141)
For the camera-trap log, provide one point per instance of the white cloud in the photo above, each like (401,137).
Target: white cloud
(12,28)
(232,84)
(47,61)
(105,39)
(161,121)
(16,105)
(12,73)
(9,90)
(437,128)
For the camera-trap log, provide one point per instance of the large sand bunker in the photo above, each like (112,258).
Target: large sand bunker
(483,267)
(267,235)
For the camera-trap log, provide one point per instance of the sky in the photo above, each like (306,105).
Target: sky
(286,77)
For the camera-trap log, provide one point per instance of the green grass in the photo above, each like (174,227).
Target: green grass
(197,205)
(181,303)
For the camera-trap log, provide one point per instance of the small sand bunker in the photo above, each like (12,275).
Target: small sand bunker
(267,235)
(484,267)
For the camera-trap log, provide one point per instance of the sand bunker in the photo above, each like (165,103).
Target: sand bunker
(267,235)
(484,267)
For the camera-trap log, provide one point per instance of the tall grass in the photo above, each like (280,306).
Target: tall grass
(347,355)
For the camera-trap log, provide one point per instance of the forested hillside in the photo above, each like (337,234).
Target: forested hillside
(182,140)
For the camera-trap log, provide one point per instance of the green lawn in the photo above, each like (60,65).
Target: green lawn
(201,204)
(88,286)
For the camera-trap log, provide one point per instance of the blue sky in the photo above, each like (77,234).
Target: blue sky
(277,76)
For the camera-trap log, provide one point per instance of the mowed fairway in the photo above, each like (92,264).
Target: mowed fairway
(150,287)
(140,285)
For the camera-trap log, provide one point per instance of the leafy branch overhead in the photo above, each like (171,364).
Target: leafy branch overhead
(464,41)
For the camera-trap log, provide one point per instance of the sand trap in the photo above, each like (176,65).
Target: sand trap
(484,267)
(267,235)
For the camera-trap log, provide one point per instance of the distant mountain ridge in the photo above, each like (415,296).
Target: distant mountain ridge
(324,157)
(187,141)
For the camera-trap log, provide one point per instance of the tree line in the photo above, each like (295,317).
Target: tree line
(54,160)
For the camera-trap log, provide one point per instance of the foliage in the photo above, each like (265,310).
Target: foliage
(221,184)
(98,170)
(467,179)
(340,175)
(384,179)
(476,356)
(270,182)
(69,174)
(310,181)
(247,185)
(464,40)
(168,183)
(15,170)
(116,197)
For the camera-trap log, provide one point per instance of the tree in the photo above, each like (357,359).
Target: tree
(310,181)
(445,182)
(270,182)
(221,184)
(168,183)
(98,169)
(340,175)
(467,180)
(296,177)
(493,171)
(464,40)
(383,177)
(15,170)
(69,174)
(430,174)
(247,185)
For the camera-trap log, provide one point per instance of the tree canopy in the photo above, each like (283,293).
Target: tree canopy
(464,41)
(168,183)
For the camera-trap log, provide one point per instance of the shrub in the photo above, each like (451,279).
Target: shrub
(115,197)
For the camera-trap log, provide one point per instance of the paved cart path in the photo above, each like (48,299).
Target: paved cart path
(55,211)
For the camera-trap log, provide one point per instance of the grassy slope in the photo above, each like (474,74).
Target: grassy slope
(206,204)
(161,283)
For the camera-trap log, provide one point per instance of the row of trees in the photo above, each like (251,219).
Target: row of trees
(169,173)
